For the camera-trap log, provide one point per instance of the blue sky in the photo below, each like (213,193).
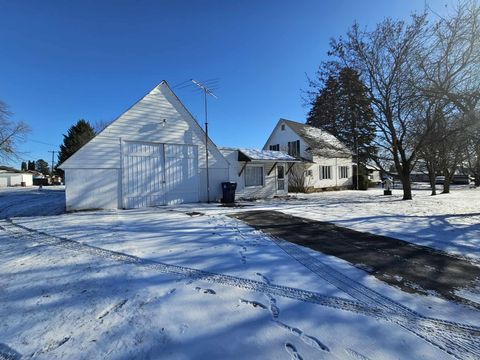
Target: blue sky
(65,60)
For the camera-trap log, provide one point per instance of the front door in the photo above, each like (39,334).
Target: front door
(281,179)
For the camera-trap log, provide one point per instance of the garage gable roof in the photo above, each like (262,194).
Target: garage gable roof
(147,116)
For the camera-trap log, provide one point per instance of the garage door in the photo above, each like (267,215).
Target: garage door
(159,174)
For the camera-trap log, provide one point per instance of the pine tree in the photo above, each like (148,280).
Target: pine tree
(24,166)
(31,165)
(42,166)
(77,136)
(341,106)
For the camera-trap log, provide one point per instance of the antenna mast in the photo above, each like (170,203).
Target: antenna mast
(206,92)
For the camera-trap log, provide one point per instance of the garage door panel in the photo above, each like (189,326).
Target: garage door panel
(159,174)
(143,175)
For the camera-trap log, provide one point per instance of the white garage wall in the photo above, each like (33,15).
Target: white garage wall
(28,179)
(216,176)
(92,189)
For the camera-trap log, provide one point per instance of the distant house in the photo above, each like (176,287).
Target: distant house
(13,177)
(374,174)
(153,154)
(326,161)
(259,173)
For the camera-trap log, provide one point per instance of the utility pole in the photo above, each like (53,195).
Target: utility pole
(206,92)
(53,156)
(356,152)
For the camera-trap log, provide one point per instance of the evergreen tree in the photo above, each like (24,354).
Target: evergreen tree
(42,166)
(77,136)
(31,165)
(24,166)
(341,106)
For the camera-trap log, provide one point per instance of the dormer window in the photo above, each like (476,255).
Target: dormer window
(294,148)
(282,127)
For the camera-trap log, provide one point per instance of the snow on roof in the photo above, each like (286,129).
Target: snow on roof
(321,142)
(255,154)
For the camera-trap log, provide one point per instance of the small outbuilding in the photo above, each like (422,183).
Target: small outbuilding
(13,177)
(153,154)
(259,173)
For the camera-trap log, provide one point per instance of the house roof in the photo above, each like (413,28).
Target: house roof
(261,155)
(5,169)
(320,142)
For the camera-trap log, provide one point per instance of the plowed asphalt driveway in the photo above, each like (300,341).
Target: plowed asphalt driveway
(413,268)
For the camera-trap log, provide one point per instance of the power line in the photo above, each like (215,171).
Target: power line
(40,142)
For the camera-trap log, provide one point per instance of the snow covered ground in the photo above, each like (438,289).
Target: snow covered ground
(30,201)
(163,284)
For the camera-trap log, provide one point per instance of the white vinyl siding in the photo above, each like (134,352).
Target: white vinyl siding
(325,172)
(254,175)
(343,172)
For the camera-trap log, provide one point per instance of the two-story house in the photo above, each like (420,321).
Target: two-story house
(326,161)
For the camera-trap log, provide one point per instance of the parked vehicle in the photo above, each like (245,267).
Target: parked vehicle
(440,180)
(461,180)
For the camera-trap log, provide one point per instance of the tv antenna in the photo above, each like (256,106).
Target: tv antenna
(206,92)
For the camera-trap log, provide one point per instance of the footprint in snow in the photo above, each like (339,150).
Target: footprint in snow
(115,307)
(274,309)
(307,339)
(255,304)
(206,291)
(355,355)
(292,350)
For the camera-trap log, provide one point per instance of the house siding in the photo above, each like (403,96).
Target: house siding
(269,188)
(282,137)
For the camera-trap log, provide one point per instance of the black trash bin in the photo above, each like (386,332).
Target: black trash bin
(228,189)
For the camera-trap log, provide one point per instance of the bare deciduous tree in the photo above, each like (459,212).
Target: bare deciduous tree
(450,72)
(11,134)
(451,60)
(383,58)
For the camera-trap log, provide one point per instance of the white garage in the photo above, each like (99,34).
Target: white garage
(153,154)
(15,178)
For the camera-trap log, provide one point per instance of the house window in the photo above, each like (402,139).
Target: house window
(325,172)
(282,127)
(275,147)
(294,148)
(343,171)
(254,175)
